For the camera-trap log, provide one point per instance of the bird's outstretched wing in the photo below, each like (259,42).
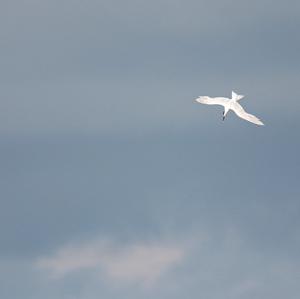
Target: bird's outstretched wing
(212,101)
(239,111)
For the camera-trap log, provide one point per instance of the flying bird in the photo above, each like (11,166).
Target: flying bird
(230,104)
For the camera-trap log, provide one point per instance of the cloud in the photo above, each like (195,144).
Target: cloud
(69,259)
(142,263)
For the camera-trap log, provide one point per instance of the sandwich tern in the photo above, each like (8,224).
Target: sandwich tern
(230,104)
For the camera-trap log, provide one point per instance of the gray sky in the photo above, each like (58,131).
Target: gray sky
(114,183)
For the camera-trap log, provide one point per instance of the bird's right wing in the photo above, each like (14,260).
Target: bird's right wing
(239,111)
(212,101)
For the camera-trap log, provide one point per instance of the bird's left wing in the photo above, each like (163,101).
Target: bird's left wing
(239,111)
(212,101)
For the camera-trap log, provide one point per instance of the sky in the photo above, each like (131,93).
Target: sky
(115,183)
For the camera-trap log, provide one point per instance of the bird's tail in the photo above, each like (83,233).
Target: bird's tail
(236,96)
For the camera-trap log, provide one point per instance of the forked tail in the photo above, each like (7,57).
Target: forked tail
(236,96)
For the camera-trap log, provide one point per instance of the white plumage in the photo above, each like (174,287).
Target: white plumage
(230,104)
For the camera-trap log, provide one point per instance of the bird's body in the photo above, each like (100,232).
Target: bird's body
(230,104)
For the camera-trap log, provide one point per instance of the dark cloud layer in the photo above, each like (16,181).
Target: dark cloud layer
(100,138)
(69,66)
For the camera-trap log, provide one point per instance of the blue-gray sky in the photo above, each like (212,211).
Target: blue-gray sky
(115,184)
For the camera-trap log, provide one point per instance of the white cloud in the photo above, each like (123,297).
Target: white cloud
(69,259)
(141,264)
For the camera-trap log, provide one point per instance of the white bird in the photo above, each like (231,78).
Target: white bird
(230,104)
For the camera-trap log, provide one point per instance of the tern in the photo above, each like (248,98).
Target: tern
(230,104)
